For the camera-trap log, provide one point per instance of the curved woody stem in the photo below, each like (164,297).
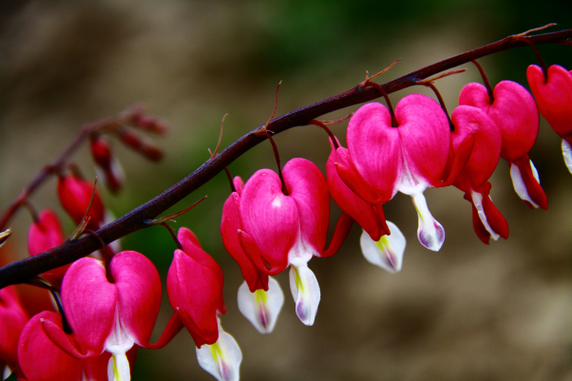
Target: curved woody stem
(24,269)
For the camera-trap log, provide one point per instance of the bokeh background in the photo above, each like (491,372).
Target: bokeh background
(468,312)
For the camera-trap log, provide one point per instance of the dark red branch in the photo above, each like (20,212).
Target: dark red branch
(24,269)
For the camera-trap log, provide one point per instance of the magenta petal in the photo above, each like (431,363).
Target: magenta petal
(139,290)
(554,97)
(307,186)
(229,229)
(375,148)
(90,302)
(349,175)
(513,110)
(361,211)
(187,239)
(425,138)
(13,318)
(469,120)
(42,360)
(195,292)
(269,217)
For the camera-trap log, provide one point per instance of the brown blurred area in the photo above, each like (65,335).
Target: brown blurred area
(468,312)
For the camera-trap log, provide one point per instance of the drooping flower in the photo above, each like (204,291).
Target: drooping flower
(13,317)
(74,194)
(194,285)
(471,123)
(112,316)
(44,234)
(259,304)
(287,227)
(514,111)
(380,245)
(553,94)
(233,234)
(406,158)
(106,164)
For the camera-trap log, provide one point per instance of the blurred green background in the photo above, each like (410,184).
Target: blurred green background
(469,312)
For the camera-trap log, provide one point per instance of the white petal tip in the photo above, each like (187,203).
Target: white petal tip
(519,185)
(261,307)
(386,253)
(306,293)
(430,232)
(222,359)
(567,154)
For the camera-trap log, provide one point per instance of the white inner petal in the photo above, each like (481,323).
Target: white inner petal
(567,154)
(478,202)
(519,185)
(386,253)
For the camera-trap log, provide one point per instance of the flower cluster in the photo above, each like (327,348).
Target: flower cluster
(106,305)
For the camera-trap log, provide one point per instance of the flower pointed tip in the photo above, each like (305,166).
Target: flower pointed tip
(261,307)
(221,359)
(387,252)
(306,293)
(567,154)
(432,239)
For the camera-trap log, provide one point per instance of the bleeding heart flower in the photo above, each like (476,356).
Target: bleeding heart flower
(514,111)
(107,165)
(232,230)
(194,285)
(471,123)
(112,316)
(13,317)
(379,245)
(44,234)
(287,226)
(407,158)
(74,194)
(553,94)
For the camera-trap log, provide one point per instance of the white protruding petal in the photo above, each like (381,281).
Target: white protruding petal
(519,185)
(7,372)
(386,253)
(261,307)
(478,202)
(119,340)
(306,293)
(221,359)
(118,368)
(567,154)
(429,231)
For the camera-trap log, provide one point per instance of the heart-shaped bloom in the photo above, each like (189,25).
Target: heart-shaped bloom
(287,227)
(471,123)
(194,285)
(232,230)
(112,316)
(44,234)
(74,194)
(407,158)
(380,245)
(13,317)
(514,111)
(554,97)
(256,301)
